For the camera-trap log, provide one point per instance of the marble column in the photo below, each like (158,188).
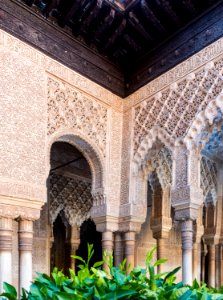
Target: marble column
(187,251)
(221,266)
(75,242)
(107,245)
(218,266)
(211,265)
(197,261)
(118,249)
(160,253)
(25,234)
(129,239)
(5,251)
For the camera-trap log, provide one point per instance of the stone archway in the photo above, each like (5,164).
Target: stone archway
(70,197)
(75,177)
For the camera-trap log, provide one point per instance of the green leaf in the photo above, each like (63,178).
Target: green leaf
(149,255)
(8,296)
(8,288)
(66,296)
(98,264)
(160,261)
(78,258)
(171,274)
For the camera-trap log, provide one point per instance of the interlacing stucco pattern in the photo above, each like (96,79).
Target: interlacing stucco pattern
(68,108)
(71,195)
(174,108)
(209,179)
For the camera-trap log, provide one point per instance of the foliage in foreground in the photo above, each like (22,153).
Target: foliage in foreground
(96,284)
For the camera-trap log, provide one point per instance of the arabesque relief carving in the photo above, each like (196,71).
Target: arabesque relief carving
(71,195)
(71,109)
(209,179)
(174,108)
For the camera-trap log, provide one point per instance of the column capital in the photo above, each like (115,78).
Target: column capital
(16,211)
(25,234)
(129,236)
(129,224)
(161,227)
(187,234)
(106,223)
(5,234)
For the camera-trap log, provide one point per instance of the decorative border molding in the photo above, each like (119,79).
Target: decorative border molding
(21,21)
(23,191)
(191,64)
(56,69)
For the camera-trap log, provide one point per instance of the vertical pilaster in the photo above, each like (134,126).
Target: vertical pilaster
(118,249)
(25,253)
(5,251)
(130,248)
(211,265)
(187,250)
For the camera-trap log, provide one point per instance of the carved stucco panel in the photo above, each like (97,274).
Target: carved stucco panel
(69,108)
(175,108)
(70,195)
(23,120)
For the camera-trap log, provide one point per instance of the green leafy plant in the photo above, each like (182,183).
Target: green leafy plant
(93,283)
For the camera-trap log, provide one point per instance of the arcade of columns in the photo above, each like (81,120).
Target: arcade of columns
(166,138)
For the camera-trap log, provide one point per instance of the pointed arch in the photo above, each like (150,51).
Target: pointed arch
(203,120)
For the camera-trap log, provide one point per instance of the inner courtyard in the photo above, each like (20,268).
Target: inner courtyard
(81,164)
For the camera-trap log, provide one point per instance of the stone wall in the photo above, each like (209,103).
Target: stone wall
(43,101)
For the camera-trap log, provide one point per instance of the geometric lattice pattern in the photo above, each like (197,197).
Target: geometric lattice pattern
(72,196)
(162,163)
(175,108)
(209,179)
(70,109)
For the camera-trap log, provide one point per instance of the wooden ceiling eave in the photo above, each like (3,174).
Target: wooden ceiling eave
(120,50)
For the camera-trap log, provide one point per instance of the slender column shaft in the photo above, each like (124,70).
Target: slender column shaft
(130,248)
(5,251)
(107,244)
(75,242)
(197,261)
(25,253)
(118,249)
(211,265)
(221,268)
(160,253)
(187,250)
(203,259)
(217,266)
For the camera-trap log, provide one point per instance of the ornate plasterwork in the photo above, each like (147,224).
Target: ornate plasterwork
(21,212)
(70,195)
(175,108)
(177,73)
(162,163)
(69,108)
(57,69)
(209,180)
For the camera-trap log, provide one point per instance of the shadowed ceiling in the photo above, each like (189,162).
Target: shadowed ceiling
(131,41)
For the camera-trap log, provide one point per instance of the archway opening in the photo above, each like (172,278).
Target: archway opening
(61,250)
(69,203)
(89,235)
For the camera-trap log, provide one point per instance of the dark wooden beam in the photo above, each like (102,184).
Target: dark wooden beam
(22,22)
(201,33)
